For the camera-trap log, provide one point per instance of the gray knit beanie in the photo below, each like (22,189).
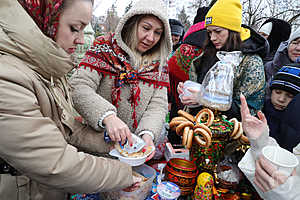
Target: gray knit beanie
(176,27)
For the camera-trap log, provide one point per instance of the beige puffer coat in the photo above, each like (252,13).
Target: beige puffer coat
(37,122)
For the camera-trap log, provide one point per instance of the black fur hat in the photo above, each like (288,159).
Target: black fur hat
(280,32)
(200,16)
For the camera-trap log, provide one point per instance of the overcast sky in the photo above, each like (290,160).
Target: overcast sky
(103,5)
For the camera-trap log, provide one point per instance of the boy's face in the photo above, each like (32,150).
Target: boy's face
(281,99)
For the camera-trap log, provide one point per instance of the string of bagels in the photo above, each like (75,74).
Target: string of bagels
(198,128)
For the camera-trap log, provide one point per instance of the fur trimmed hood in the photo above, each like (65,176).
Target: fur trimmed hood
(147,7)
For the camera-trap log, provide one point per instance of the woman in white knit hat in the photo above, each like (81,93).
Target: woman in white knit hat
(287,53)
(121,83)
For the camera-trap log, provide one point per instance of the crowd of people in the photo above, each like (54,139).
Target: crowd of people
(267,79)
(53,125)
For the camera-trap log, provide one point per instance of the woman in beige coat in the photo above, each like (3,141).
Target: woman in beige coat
(36,116)
(121,83)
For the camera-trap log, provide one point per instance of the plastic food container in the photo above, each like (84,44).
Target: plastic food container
(139,194)
(168,191)
(131,161)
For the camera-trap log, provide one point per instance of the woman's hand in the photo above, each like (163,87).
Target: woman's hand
(193,99)
(149,142)
(252,126)
(136,184)
(267,177)
(190,100)
(117,129)
(180,88)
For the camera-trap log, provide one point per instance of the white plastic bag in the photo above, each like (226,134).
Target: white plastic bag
(197,87)
(218,81)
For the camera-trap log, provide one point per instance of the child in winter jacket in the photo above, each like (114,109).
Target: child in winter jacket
(284,86)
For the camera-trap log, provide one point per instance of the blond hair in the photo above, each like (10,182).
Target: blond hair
(158,53)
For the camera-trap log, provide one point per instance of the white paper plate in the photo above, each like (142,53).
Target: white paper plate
(131,161)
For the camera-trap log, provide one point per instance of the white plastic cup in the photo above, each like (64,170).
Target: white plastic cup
(284,160)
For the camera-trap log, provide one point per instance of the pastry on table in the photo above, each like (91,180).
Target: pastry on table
(145,151)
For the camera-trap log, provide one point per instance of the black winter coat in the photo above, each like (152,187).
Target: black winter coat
(281,58)
(284,125)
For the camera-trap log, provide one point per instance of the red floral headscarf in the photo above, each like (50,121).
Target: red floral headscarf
(45,13)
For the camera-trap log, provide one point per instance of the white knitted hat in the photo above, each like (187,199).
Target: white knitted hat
(266,28)
(294,35)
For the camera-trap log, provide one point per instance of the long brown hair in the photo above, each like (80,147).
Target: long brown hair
(233,43)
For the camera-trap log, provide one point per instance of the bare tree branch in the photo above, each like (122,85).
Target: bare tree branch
(257,11)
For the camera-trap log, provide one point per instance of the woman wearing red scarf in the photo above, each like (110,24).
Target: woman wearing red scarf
(121,84)
(37,119)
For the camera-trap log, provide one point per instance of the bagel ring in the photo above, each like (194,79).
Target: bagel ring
(190,139)
(203,112)
(173,124)
(207,139)
(182,119)
(182,125)
(203,127)
(185,135)
(235,126)
(176,121)
(186,115)
(244,139)
(239,132)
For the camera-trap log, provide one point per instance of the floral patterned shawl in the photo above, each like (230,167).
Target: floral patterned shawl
(45,13)
(107,58)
